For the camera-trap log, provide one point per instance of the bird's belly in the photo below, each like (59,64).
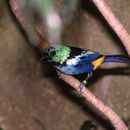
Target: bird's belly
(75,69)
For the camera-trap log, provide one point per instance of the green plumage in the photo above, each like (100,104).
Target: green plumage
(61,54)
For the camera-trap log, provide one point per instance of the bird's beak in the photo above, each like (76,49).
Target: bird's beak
(44,56)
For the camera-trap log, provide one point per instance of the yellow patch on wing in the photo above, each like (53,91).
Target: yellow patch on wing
(98,62)
(90,52)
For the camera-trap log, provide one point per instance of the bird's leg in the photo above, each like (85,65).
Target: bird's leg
(84,82)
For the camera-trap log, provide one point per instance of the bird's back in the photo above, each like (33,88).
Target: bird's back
(80,61)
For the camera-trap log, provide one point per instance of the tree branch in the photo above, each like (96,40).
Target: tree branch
(114,23)
(89,96)
(97,103)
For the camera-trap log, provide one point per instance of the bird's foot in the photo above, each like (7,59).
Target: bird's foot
(89,75)
(82,85)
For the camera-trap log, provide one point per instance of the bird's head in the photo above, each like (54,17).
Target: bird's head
(57,53)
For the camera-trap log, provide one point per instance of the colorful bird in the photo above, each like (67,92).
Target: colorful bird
(73,60)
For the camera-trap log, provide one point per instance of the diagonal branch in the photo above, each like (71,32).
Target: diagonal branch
(114,23)
(89,96)
(98,104)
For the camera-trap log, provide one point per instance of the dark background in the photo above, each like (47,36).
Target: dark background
(31,95)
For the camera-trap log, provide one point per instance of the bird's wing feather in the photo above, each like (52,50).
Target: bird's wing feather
(83,58)
(88,58)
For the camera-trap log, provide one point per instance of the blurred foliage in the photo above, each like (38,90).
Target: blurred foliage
(68,9)
(49,19)
(44,11)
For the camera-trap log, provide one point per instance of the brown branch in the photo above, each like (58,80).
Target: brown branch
(33,33)
(15,6)
(123,35)
(114,23)
(98,104)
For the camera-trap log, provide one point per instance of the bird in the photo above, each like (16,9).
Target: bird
(74,60)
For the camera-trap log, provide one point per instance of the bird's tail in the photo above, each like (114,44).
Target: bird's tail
(117,58)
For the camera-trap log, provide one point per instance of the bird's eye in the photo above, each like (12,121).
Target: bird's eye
(52,53)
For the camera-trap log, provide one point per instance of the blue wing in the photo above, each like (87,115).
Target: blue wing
(87,57)
(79,64)
(84,64)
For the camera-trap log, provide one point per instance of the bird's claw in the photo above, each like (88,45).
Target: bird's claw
(90,75)
(82,85)
(80,89)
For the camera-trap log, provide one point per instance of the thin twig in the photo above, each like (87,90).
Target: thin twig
(124,36)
